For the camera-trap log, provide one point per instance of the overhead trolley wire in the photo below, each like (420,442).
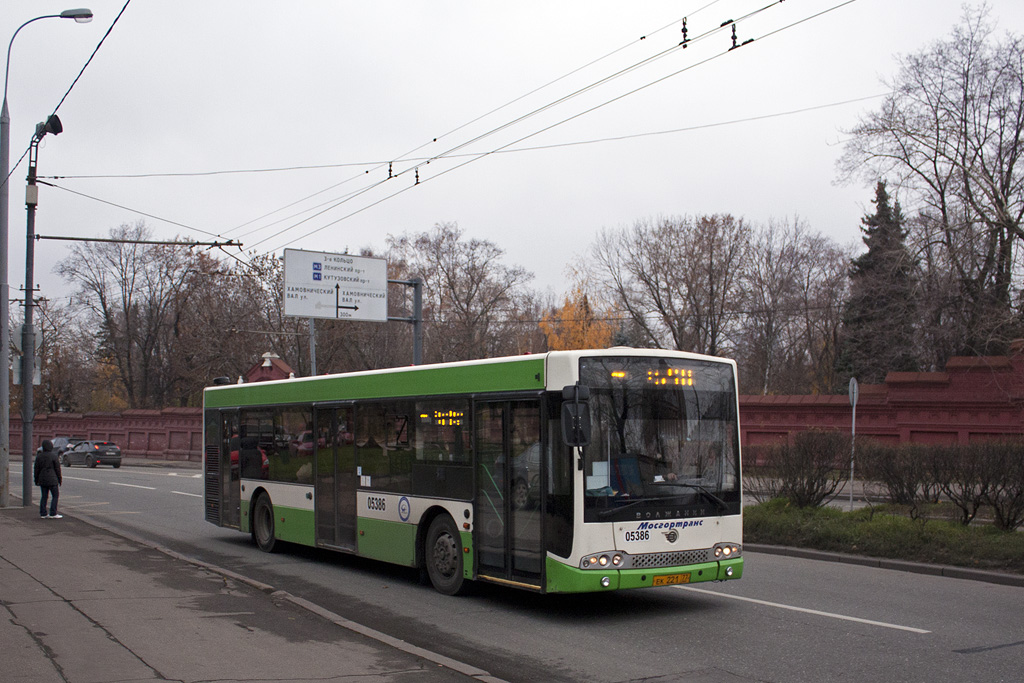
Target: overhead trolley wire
(554,125)
(448,153)
(378,165)
(403,156)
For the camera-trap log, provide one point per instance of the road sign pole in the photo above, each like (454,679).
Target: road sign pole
(312,347)
(854,394)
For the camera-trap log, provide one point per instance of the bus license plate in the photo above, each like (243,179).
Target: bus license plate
(671,579)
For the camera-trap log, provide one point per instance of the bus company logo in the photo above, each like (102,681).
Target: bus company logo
(671,535)
(404,508)
(671,526)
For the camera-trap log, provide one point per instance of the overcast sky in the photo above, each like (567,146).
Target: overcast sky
(189,87)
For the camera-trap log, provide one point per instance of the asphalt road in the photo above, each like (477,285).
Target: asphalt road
(788,619)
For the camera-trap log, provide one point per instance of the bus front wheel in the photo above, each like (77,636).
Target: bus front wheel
(443,556)
(262,520)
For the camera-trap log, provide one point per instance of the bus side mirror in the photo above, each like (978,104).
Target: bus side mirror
(576,415)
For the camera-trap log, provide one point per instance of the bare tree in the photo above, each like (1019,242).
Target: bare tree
(133,295)
(677,279)
(473,302)
(951,134)
(823,290)
(769,344)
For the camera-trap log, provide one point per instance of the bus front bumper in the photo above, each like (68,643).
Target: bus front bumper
(562,578)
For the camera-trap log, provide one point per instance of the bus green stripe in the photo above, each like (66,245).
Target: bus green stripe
(290,524)
(516,375)
(388,541)
(562,578)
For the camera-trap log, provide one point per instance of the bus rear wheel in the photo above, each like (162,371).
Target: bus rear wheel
(442,552)
(262,520)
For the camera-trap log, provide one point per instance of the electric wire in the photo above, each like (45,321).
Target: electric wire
(615,138)
(338,201)
(73,83)
(126,208)
(554,125)
(403,156)
(502,149)
(554,145)
(415,168)
(376,165)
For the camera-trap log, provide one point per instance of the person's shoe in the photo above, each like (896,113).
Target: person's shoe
(42,516)
(56,516)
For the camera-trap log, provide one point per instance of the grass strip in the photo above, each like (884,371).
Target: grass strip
(884,532)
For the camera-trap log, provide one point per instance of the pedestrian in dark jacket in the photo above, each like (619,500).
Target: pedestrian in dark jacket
(48,479)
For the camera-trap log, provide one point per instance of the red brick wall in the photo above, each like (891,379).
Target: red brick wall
(973,399)
(168,434)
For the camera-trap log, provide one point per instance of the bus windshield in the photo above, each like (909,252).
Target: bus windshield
(665,439)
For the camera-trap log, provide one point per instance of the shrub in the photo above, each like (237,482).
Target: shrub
(1004,463)
(963,476)
(807,472)
(904,471)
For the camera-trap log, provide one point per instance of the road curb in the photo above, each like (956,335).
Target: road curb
(897,565)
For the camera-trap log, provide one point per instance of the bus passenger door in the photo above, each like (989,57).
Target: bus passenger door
(508,498)
(231,482)
(335,482)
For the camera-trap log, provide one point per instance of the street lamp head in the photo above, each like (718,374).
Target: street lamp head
(52,125)
(82,15)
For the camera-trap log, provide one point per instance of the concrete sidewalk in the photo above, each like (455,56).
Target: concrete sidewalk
(80,604)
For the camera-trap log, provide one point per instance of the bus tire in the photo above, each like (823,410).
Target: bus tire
(262,520)
(442,553)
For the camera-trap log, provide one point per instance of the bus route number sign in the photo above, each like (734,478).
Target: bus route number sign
(671,579)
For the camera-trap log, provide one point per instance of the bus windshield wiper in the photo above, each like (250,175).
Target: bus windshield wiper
(703,490)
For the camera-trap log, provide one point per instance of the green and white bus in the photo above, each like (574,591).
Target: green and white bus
(562,472)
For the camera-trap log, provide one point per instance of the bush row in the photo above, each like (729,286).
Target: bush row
(809,472)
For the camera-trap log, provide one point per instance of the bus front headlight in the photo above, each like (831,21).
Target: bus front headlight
(725,551)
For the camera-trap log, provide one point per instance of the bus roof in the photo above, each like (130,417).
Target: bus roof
(509,373)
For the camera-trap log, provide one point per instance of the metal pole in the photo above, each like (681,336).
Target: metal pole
(28,337)
(312,347)
(854,392)
(416,319)
(417,324)
(81,15)
(5,307)
(853,449)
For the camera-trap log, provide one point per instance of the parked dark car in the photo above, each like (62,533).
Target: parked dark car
(92,453)
(60,444)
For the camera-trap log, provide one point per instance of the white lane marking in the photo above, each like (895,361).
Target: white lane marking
(185,476)
(91,481)
(134,486)
(182,493)
(805,610)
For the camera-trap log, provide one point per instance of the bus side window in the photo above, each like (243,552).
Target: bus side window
(442,466)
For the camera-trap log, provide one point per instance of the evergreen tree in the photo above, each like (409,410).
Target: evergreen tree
(879,319)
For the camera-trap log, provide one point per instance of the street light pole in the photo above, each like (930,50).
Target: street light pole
(28,334)
(80,16)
